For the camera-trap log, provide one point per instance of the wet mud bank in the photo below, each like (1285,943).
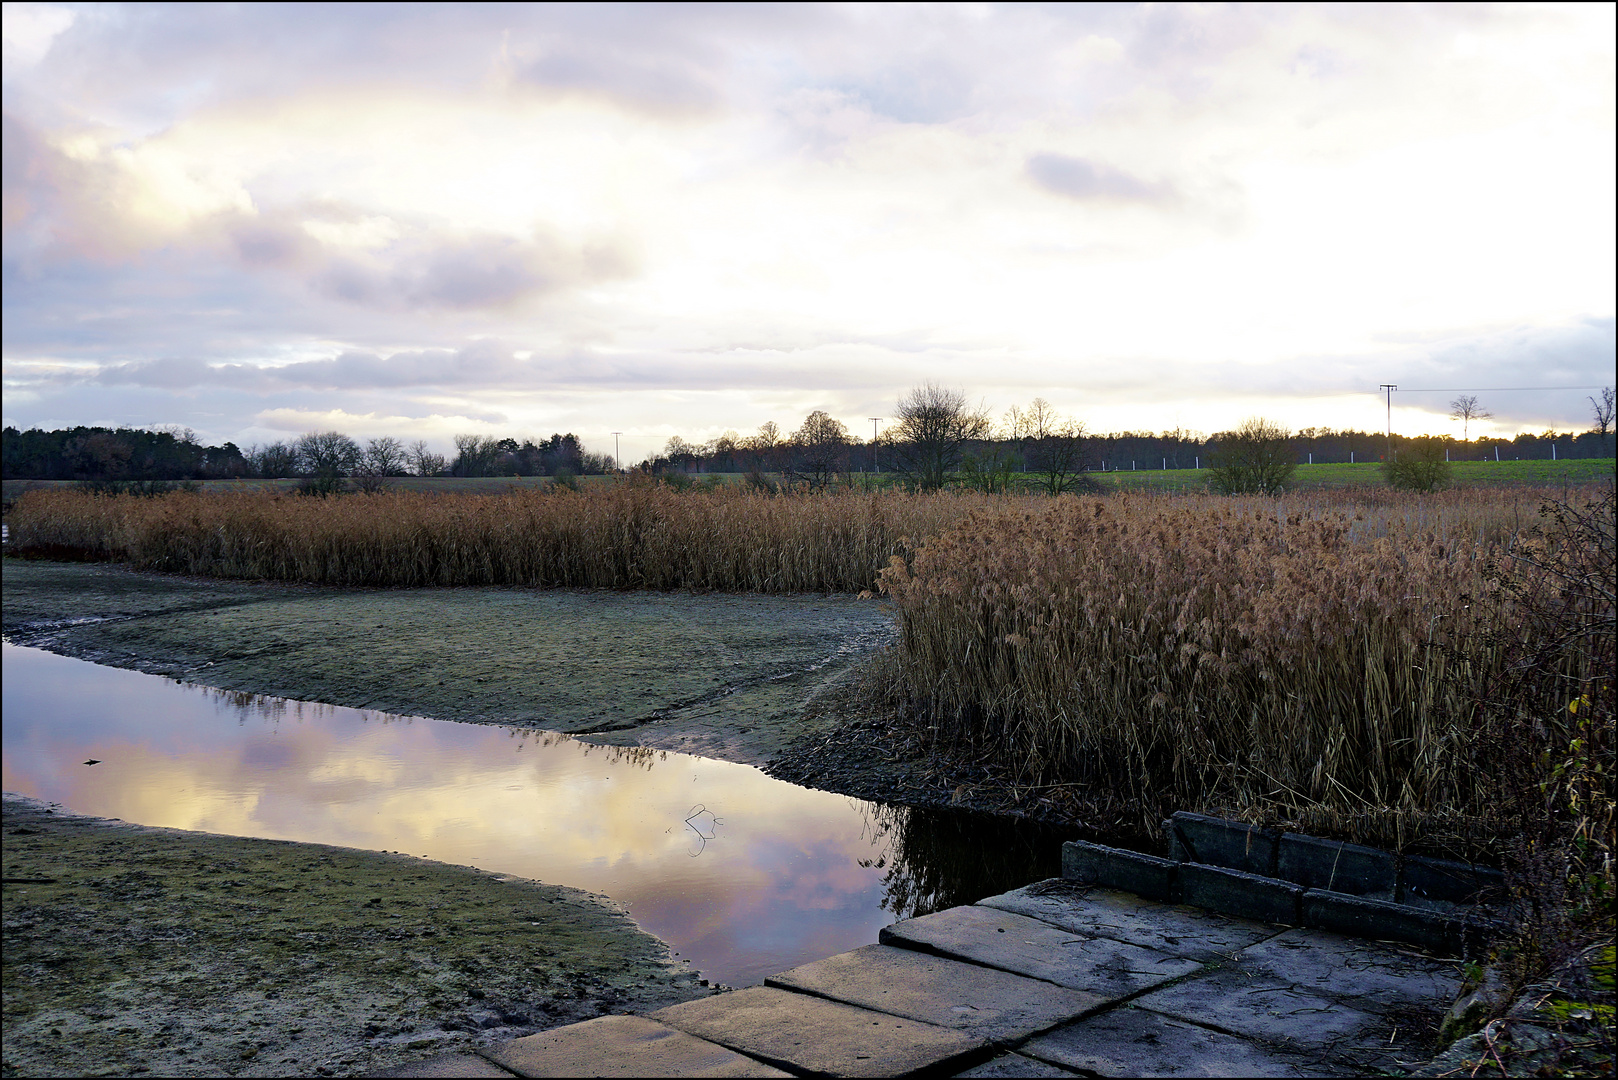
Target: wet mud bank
(134,950)
(732,677)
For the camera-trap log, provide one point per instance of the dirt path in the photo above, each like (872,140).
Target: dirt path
(136,950)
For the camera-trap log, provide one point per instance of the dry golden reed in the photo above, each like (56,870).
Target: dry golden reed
(629,536)
(1281,658)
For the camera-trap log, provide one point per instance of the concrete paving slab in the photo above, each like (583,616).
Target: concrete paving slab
(1276,1012)
(448,1065)
(1365,974)
(621,1046)
(807,1034)
(1134,1042)
(986,1002)
(1174,929)
(1032,947)
(1015,1065)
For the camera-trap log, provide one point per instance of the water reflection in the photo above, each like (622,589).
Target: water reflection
(742,874)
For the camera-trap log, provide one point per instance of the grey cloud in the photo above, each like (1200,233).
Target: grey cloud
(1078,178)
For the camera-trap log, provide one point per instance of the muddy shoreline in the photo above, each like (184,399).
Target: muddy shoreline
(139,950)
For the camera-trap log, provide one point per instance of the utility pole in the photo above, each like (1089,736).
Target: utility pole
(617,462)
(1389,388)
(874,421)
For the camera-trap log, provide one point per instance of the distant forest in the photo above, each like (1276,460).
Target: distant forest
(821,445)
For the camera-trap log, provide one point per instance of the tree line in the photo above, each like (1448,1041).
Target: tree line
(936,436)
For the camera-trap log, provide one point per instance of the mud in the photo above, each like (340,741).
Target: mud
(134,950)
(725,676)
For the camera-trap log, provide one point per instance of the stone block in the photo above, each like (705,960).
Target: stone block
(1220,842)
(1338,867)
(985,1002)
(621,1046)
(1115,868)
(1233,892)
(1363,974)
(1031,947)
(805,1034)
(1121,916)
(1271,1011)
(1135,1042)
(1009,1065)
(1379,919)
(1447,882)
(448,1065)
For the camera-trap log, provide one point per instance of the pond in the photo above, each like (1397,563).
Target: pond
(742,874)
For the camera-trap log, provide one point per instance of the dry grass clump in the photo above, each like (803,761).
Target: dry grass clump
(1282,659)
(626,536)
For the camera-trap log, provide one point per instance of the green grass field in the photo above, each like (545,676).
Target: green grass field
(1466,474)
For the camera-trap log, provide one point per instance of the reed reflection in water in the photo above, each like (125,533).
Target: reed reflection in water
(742,874)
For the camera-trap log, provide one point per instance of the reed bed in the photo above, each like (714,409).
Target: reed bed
(630,536)
(1310,660)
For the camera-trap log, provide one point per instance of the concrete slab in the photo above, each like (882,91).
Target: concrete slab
(1174,929)
(1365,974)
(1032,947)
(1134,1042)
(1015,1065)
(988,1003)
(812,1035)
(1276,1012)
(620,1046)
(448,1065)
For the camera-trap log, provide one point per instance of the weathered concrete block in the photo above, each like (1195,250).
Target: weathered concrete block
(1366,975)
(1276,1012)
(1115,868)
(1122,916)
(1447,882)
(1220,842)
(621,1046)
(1031,947)
(985,1002)
(1135,1042)
(1382,920)
(448,1065)
(1328,864)
(1013,1065)
(805,1034)
(1236,893)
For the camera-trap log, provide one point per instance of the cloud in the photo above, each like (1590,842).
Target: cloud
(1077,178)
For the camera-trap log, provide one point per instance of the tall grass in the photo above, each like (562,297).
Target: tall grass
(625,537)
(1282,659)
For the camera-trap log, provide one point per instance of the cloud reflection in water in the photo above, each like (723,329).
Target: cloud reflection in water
(781,874)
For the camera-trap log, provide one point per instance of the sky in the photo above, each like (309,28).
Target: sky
(420,220)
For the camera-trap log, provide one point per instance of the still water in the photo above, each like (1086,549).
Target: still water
(741,874)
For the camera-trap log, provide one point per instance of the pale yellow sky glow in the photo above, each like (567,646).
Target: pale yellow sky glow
(669,220)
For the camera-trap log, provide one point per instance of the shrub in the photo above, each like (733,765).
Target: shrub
(1255,459)
(1420,466)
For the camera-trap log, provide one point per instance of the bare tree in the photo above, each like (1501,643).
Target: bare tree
(821,445)
(1604,410)
(385,456)
(1255,459)
(1465,409)
(1053,446)
(326,454)
(933,425)
(274,460)
(424,461)
(475,454)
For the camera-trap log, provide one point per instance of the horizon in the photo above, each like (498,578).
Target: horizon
(432,220)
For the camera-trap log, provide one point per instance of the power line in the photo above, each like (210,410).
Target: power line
(1488,389)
